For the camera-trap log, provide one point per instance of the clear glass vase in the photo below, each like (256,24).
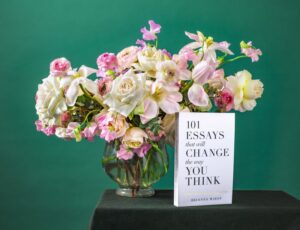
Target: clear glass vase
(136,176)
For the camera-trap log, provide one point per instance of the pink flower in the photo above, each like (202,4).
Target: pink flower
(143,150)
(90,131)
(124,153)
(166,53)
(106,61)
(225,100)
(60,67)
(39,125)
(250,51)
(142,43)
(50,130)
(201,74)
(104,85)
(127,56)
(65,117)
(154,137)
(70,129)
(111,126)
(151,34)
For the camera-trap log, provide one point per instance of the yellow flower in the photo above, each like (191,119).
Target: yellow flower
(245,90)
(134,137)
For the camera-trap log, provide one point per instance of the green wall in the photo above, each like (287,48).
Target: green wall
(47,183)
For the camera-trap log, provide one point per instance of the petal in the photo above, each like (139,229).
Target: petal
(86,71)
(150,110)
(72,92)
(197,95)
(185,75)
(147,35)
(169,107)
(155,28)
(169,104)
(192,36)
(202,72)
(221,46)
(192,45)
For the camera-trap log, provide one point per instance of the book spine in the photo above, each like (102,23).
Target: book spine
(176,161)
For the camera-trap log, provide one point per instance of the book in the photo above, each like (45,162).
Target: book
(204,158)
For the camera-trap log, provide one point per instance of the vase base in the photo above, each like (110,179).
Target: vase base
(142,192)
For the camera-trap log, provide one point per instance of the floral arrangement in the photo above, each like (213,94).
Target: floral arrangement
(137,92)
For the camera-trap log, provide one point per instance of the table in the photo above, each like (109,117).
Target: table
(251,210)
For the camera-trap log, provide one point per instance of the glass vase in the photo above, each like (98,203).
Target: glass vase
(136,176)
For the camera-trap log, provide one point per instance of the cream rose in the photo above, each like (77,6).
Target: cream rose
(127,56)
(149,57)
(50,100)
(127,91)
(134,137)
(245,90)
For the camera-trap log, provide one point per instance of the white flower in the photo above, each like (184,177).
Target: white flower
(50,99)
(134,137)
(149,57)
(167,71)
(80,77)
(127,91)
(245,90)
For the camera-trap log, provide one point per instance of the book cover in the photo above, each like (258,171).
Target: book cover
(204,156)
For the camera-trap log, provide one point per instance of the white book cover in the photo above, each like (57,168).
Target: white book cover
(204,156)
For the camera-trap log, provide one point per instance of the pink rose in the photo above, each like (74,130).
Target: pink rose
(127,56)
(60,67)
(65,117)
(106,61)
(104,85)
(225,100)
(111,126)
(124,153)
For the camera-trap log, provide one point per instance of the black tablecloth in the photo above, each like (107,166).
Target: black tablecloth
(251,210)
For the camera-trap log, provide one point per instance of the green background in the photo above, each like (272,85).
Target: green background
(48,183)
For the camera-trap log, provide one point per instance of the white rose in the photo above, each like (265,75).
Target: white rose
(148,58)
(245,90)
(126,92)
(50,99)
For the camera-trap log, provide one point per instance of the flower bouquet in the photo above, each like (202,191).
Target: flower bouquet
(132,102)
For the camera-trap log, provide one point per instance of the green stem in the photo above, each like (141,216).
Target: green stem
(156,43)
(155,146)
(87,94)
(147,162)
(232,59)
(187,86)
